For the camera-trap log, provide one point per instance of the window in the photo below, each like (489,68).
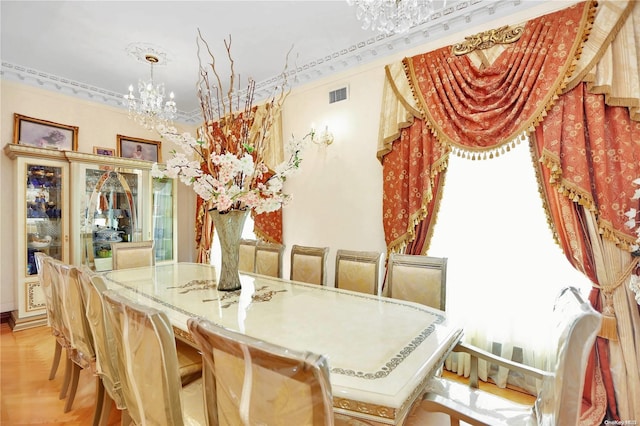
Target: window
(504,268)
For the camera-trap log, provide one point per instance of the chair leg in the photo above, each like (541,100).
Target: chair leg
(97,411)
(67,376)
(56,360)
(107,405)
(125,418)
(74,387)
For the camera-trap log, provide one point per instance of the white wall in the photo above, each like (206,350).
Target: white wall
(337,194)
(98,125)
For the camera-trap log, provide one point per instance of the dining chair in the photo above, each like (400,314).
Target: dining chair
(416,278)
(575,326)
(80,351)
(249,381)
(132,254)
(147,361)
(93,286)
(358,271)
(247,255)
(46,274)
(269,259)
(109,390)
(309,264)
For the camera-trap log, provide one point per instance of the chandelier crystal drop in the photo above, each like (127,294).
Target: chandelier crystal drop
(392,16)
(149,109)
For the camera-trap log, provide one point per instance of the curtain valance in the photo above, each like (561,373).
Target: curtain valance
(603,56)
(479,108)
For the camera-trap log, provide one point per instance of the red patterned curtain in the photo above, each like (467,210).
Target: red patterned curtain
(589,155)
(268,226)
(478,109)
(413,173)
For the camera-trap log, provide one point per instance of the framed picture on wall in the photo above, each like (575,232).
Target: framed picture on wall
(110,152)
(44,134)
(138,149)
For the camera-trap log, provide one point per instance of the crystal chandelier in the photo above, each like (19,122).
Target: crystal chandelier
(392,16)
(150,109)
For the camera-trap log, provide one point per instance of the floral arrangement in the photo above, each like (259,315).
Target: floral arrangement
(225,164)
(230,180)
(633,221)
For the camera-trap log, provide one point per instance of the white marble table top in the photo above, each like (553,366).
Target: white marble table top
(381,351)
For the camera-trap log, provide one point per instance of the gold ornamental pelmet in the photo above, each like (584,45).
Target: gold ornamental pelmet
(487,39)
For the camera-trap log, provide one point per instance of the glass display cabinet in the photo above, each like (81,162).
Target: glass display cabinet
(73,205)
(110,207)
(116,199)
(41,193)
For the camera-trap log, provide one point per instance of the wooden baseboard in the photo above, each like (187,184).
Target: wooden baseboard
(4,317)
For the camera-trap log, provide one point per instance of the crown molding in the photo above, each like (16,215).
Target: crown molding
(449,20)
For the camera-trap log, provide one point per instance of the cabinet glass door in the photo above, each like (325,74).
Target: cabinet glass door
(111,214)
(43,213)
(163,223)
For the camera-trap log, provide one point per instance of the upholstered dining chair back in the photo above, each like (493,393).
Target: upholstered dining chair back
(106,363)
(132,254)
(309,264)
(148,365)
(46,274)
(416,278)
(247,255)
(269,259)
(575,327)
(358,271)
(249,382)
(75,329)
(45,270)
(75,315)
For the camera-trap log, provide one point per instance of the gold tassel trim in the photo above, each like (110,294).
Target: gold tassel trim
(487,153)
(564,186)
(609,326)
(400,243)
(583,75)
(535,155)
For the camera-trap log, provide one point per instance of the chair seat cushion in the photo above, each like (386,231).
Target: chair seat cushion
(467,403)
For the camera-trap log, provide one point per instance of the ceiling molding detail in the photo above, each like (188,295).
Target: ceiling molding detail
(450,20)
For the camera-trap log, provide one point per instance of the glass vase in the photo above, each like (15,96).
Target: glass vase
(229,227)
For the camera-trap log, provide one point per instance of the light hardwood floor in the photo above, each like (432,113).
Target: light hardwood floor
(27,397)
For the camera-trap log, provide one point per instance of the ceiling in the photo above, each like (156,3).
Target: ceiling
(82,47)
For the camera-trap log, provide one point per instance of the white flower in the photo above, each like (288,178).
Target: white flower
(231,180)
(632,215)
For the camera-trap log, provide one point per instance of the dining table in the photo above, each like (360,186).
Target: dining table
(381,351)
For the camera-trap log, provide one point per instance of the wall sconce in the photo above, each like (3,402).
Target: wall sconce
(322,138)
